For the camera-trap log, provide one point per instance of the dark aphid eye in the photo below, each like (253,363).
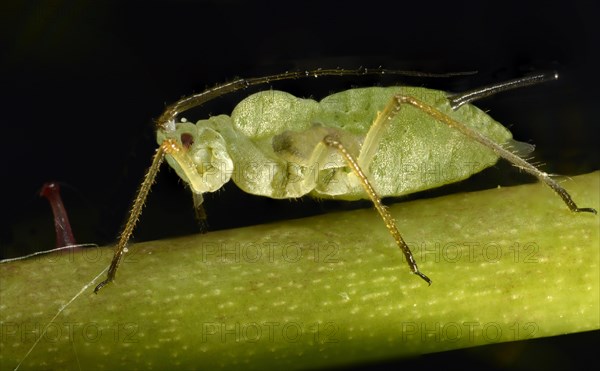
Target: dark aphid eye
(187,140)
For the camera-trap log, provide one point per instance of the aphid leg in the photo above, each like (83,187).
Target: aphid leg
(199,211)
(375,134)
(134,214)
(517,161)
(381,209)
(64,234)
(179,153)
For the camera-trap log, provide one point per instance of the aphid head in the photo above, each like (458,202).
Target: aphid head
(202,159)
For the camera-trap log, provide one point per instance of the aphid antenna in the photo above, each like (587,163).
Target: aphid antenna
(167,120)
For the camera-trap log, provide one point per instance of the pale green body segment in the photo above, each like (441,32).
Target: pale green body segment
(272,145)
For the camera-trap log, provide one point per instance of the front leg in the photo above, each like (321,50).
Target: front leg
(170,147)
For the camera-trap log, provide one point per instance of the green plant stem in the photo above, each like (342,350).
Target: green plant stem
(507,264)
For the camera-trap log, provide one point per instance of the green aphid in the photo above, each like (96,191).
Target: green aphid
(365,143)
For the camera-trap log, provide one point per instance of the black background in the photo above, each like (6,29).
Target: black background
(82,82)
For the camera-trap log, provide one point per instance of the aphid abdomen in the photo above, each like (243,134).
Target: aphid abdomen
(414,151)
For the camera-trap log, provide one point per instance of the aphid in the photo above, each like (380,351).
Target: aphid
(347,146)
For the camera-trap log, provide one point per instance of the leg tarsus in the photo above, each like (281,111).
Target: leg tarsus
(112,270)
(586,210)
(424,277)
(102,284)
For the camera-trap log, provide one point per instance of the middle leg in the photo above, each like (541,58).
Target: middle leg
(390,224)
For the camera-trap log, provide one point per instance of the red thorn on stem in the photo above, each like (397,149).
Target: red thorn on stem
(64,235)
